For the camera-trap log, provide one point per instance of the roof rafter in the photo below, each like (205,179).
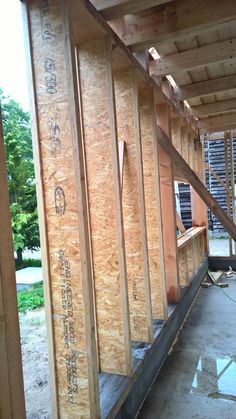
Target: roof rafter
(113,9)
(182,61)
(175,21)
(213,108)
(218,123)
(206,87)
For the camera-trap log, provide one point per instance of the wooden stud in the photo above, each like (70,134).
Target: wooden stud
(226,158)
(190,258)
(128,128)
(195,254)
(176,134)
(64,225)
(183,267)
(41,204)
(121,149)
(198,207)
(153,202)
(142,206)
(191,149)
(168,208)
(232,179)
(179,223)
(193,179)
(12,404)
(107,230)
(184,143)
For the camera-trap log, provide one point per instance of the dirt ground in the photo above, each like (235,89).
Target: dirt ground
(35,364)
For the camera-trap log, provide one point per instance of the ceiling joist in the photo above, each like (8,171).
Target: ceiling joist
(214,108)
(206,87)
(113,9)
(193,58)
(218,123)
(174,21)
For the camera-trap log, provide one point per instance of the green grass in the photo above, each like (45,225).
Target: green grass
(31,298)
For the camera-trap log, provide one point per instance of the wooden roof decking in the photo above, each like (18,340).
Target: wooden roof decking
(196,41)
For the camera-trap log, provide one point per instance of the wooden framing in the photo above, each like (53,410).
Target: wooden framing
(105,177)
(133,201)
(226,156)
(231,147)
(199,211)
(57,133)
(218,123)
(205,87)
(196,183)
(168,208)
(139,32)
(191,252)
(117,8)
(157,267)
(11,377)
(219,52)
(106,233)
(213,108)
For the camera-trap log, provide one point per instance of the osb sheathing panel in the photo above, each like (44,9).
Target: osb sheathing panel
(184,144)
(183,267)
(190,256)
(141,323)
(152,201)
(176,134)
(97,140)
(61,212)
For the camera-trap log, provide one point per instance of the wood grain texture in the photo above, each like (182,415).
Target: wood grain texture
(176,134)
(133,207)
(168,208)
(153,203)
(112,320)
(184,143)
(193,179)
(191,252)
(54,144)
(12,404)
(183,267)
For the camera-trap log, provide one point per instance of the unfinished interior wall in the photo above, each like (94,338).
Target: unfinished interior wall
(133,202)
(153,202)
(106,194)
(63,224)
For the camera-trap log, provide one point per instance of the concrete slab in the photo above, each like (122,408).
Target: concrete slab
(26,277)
(198,378)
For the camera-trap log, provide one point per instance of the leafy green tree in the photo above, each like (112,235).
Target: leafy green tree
(20,171)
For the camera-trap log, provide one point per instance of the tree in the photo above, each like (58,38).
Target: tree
(21,179)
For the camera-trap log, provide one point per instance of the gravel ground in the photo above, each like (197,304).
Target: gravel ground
(35,364)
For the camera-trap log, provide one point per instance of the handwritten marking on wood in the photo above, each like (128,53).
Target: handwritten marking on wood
(57,171)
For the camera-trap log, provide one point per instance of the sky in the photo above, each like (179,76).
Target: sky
(13,78)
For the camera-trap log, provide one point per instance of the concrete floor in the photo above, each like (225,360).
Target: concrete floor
(198,379)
